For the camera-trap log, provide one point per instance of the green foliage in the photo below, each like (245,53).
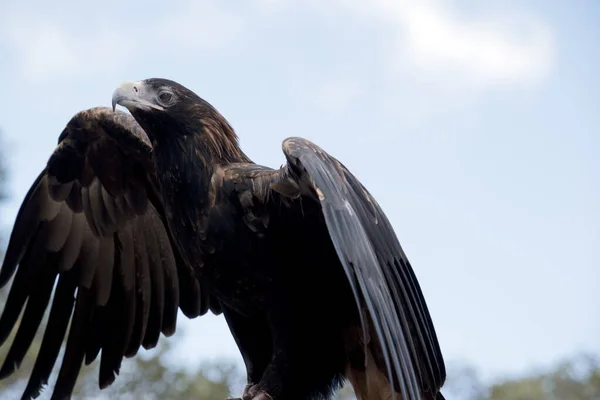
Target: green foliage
(574,379)
(150,375)
(577,378)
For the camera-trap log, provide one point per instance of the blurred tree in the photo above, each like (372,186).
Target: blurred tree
(151,375)
(575,379)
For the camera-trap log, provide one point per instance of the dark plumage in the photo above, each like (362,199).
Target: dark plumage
(144,214)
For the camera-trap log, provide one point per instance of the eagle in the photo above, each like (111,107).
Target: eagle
(140,214)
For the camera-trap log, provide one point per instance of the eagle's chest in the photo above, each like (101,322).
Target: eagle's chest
(231,258)
(223,239)
(240,265)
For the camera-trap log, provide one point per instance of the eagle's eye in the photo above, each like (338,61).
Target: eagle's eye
(165,97)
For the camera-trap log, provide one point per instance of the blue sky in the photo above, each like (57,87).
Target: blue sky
(474,124)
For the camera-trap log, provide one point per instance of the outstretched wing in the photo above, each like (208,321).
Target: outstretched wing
(94,219)
(379,272)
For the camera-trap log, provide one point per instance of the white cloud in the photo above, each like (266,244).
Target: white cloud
(433,37)
(50,47)
(430,38)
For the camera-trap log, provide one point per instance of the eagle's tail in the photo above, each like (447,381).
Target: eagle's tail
(366,375)
(369,381)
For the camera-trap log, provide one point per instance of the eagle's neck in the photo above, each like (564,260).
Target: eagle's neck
(185,166)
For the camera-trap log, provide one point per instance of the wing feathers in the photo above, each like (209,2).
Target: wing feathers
(58,229)
(157,298)
(105,265)
(59,191)
(58,320)
(23,231)
(75,349)
(379,273)
(88,257)
(72,246)
(111,211)
(93,218)
(171,280)
(142,288)
(126,273)
(34,311)
(118,323)
(48,207)
(21,286)
(75,199)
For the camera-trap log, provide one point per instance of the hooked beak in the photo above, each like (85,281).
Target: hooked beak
(134,96)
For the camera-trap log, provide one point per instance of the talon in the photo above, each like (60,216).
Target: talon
(249,391)
(262,396)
